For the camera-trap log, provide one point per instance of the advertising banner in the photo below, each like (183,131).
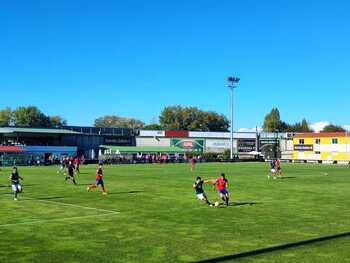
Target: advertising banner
(303,147)
(217,144)
(246,145)
(188,144)
(152,133)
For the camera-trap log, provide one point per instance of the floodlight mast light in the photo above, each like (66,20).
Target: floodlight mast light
(232,84)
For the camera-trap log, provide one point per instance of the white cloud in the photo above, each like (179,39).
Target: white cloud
(346,127)
(318,126)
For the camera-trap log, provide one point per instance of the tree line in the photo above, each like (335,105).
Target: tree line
(171,118)
(29,116)
(273,123)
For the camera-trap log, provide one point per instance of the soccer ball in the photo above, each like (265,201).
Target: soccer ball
(217,203)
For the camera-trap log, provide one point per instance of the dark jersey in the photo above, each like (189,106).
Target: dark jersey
(272,164)
(71,170)
(199,187)
(15,178)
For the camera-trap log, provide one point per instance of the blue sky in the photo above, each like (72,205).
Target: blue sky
(84,59)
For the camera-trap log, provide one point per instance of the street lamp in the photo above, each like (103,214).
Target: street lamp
(232,84)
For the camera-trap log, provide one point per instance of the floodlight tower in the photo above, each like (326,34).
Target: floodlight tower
(232,84)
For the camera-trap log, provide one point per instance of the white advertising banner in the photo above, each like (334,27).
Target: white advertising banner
(218,144)
(223,135)
(163,142)
(152,133)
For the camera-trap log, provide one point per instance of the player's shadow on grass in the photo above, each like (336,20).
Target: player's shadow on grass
(6,194)
(275,248)
(46,198)
(286,177)
(243,203)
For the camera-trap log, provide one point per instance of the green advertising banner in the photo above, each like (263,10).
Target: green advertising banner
(196,145)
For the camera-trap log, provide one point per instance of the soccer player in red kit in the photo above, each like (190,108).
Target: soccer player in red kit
(193,163)
(221,185)
(77,164)
(99,180)
(278,167)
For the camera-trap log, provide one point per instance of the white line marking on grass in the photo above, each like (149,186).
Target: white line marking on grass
(56,219)
(72,205)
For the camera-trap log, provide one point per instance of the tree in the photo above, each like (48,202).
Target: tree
(30,116)
(153,126)
(57,121)
(272,122)
(192,118)
(171,118)
(333,128)
(114,121)
(302,126)
(6,117)
(216,122)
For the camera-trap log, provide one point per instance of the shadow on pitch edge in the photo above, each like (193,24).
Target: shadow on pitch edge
(275,248)
(129,192)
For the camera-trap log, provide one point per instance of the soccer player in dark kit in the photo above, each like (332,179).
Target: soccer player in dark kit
(15,181)
(198,187)
(71,170)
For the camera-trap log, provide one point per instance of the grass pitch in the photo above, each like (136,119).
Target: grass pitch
(151,215)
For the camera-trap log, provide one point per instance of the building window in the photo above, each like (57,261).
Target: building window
(301,141)
(318,141)
(317,152)
(334,141)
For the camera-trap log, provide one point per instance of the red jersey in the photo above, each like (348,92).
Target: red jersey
(221,183)
(99,174)
(278,163)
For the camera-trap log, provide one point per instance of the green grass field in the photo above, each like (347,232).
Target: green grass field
(151,215)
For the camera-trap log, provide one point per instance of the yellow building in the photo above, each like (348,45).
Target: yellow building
(322,147)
